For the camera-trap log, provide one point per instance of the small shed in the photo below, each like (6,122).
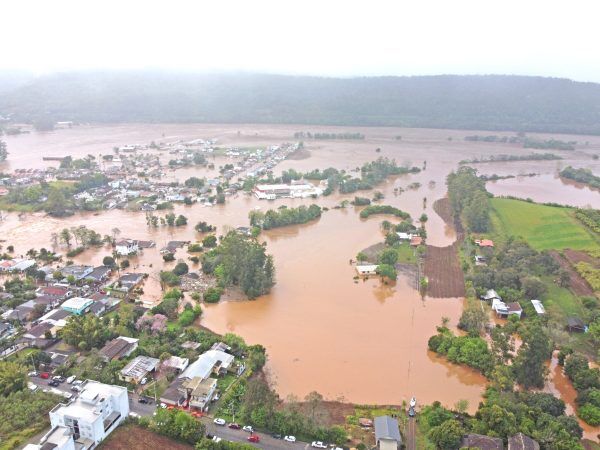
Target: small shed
(575,324)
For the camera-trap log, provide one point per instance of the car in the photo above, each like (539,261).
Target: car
(163,405)
(411,412)
(248,428)
(77,382)
(76,388)
(144,381)
(318,444)
(234,426)
(277,436)
(71,379)
(44,375)
(142,400)
(33,374)
(58,378)
(290,438)
(53,383)
(253,438)
(220,422)
(216,439)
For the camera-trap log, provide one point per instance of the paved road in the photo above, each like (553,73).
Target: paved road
(266,441)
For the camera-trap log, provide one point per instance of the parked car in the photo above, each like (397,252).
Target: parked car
(220,422)
(234,426)
(77,382)
(33,374)
(144,381)
(44,375)
(290,438)
(411,412)
(71,379)
(253,438)
(143,400)
(163,405)
(53,383)
(58,378)
(217,439)
(248,428)
(318,444)
(277,436)
(76,388)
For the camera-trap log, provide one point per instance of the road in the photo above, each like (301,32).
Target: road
(411,438)
(266,441)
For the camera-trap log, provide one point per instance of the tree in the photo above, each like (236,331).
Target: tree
(209,241)
(180,269)
(388,256)
(387,271)
(180,221)
(65,237)
(448,435)
(473,319)
(3,151)
(529,367)
(13,377)
(56,204)
(108,261)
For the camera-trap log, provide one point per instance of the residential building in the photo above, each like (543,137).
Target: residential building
(38,331)
(77,305)
(481,442)
(59,292)
(176,363)
(118,348)
(522,442)
(366,269)
(199,392)
(99,274)
(387,433)
(78,272)
(138,368)
(126,247)
(210,362)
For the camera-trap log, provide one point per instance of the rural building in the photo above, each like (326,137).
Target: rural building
(482,442)
(490,295)
(209,362)
(415,241)
(126,247)
(522,442)
(86,421)
(366,269)
(404,236)
(78,272)
(293,190)
(575,324)
(539,307)
(77,305)
(515,309)
(118,348)
(387,433)
(484,243)
(176,363)
(138,368)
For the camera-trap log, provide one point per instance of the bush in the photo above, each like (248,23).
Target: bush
(74,252)
(210,241)
(213,295)
(195,248)
(181,269)
(167,257)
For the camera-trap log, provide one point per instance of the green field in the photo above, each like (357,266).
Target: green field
(543,227)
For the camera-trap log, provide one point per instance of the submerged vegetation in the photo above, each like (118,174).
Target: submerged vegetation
(581,175)
(284,216)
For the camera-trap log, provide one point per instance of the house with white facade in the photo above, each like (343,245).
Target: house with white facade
(126,247)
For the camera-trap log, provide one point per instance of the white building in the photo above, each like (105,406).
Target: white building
(366,269)
(539,307)
(126,247)
(211,361)
(86,421)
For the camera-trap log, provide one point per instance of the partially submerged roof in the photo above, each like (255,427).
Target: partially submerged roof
(386,427)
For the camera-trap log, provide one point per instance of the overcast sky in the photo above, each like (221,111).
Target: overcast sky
(340,38)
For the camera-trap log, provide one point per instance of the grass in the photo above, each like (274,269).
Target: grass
(543,227)
(561,301)
(406,254)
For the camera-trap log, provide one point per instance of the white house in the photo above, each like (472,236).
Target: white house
(126,247)
(87,420)
(405,236)
(367,269)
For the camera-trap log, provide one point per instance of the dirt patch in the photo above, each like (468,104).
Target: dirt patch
(575,256)
(443,271)
(443,209)
(373,251)
(133,437)
(577,284)
(338,412)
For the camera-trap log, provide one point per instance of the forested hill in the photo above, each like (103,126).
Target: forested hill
(471,102)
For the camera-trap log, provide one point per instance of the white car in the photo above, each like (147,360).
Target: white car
(217,439)
(144,381)
(248,428)
(318,444)
(220,422)
(33,374)
(71,379)
(290,438)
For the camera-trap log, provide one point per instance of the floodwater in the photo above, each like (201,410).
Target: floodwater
(361,341)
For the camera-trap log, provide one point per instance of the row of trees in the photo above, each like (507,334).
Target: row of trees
(581,175)
(284,216)
(383,209)
(3,151)
(504,158)
(587,383)
(469,199)
(241,261)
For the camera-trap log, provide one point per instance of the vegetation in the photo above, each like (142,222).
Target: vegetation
(543,227)
(309,135)
(175,424)
(505,158)
(549,144)
(85,332)
(284,216)
(582,175)
(445,101)
(468,350)
(587,383)
(590,218)
(203,227)
(383,209)
(3,151)
(241,261)
(468,198)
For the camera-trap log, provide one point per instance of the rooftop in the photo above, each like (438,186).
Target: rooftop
(140,366)
(386,427)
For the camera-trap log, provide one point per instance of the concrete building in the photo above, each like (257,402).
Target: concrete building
(366,269)
(126,247)
(387,433)
(77,305)
(210,362)
(138,368)
(86,421)
(199,392)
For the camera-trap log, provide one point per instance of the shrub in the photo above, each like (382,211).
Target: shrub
(213,295)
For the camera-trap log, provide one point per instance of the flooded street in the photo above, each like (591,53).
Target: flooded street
(361,341)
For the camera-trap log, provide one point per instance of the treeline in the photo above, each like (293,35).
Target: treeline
(309,135)
(284,216)
(383,209)
(590,218)
(447,101)
(586,381)
(243,262)
(581,175)
(494,138)
(504,158)
(549,144)
(469,199)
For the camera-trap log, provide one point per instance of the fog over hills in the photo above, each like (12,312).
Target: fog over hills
(491,102)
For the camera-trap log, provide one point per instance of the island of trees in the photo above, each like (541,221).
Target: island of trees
(584,176)
(284,216)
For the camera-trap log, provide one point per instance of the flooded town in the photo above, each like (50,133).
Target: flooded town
(239,225)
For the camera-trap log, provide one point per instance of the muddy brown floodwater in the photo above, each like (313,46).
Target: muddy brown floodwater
(361,341)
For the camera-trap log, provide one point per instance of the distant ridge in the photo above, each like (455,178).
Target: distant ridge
(490,102)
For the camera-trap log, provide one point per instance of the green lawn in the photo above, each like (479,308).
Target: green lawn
(406,254)
(561,301)
(543,227)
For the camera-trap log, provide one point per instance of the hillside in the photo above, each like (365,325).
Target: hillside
(492,102)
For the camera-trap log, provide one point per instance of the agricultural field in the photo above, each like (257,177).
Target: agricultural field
(543,227)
